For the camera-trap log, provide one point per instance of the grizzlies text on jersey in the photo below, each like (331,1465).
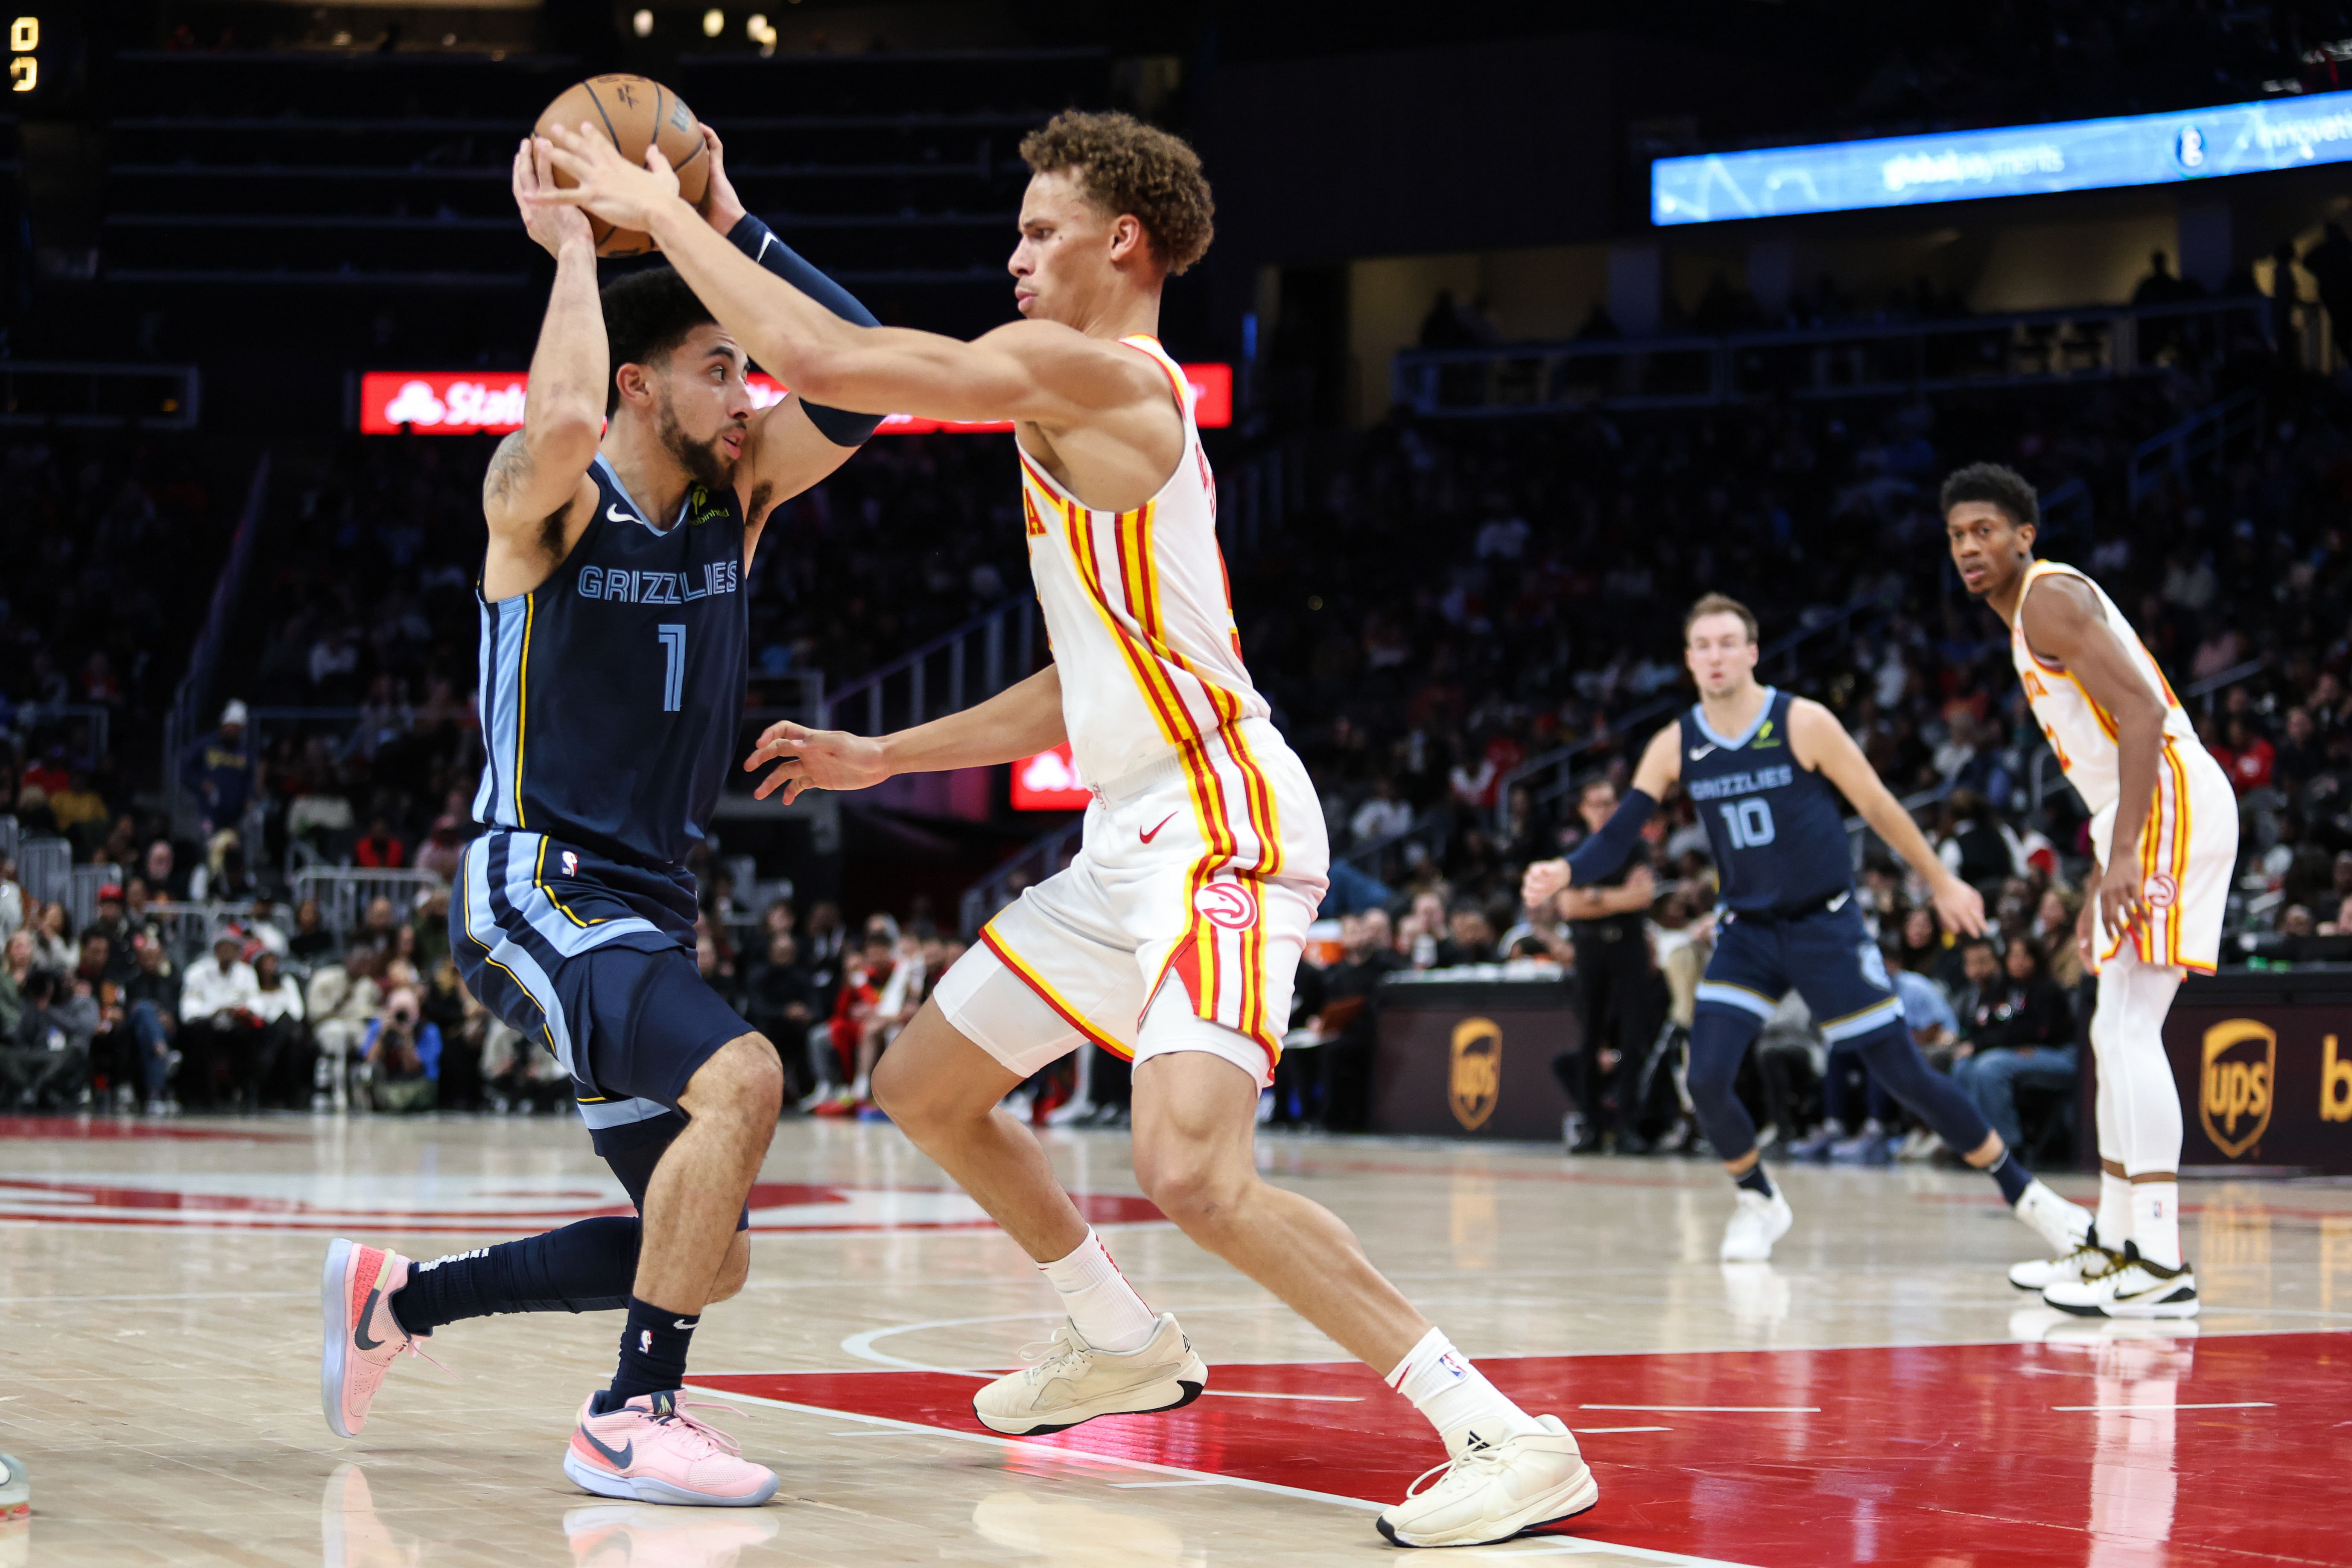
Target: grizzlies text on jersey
(1776,828)
(612,692)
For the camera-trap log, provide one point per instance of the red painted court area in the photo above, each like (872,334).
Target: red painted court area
(2107,1450)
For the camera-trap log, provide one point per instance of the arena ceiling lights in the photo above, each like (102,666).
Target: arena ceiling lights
(2008,161)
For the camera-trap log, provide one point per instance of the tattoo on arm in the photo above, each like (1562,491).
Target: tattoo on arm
(509,466)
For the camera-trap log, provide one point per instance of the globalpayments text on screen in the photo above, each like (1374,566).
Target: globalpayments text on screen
(2011,161)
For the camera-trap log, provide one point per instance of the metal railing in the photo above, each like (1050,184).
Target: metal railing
(344,893)
(82,883)
(45,868)
(187,718)
(147,397)
(2205,433)
(1874,360)
(968,665)
(1046,854)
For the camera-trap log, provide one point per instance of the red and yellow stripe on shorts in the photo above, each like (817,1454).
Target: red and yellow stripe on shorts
(2164,842)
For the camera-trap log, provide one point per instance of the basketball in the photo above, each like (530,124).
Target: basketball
(633,110)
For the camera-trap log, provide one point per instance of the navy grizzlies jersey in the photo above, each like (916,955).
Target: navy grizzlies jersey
(612,692)
(1778,829)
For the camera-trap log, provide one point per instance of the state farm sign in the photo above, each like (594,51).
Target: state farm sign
(469,403)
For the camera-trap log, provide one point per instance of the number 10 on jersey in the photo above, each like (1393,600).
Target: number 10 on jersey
(1749,822)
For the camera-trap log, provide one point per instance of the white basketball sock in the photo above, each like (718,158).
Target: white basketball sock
(2156,1221)
(2115,1212)
(1105,1308)
(1455,1396)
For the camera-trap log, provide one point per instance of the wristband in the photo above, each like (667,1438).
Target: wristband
(756,241)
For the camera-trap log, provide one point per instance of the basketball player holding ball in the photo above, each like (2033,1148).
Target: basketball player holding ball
(1175,935)
(613,651)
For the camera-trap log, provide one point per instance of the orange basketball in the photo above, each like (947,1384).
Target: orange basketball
(634,111)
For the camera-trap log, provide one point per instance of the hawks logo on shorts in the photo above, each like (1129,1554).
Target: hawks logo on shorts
(1230,905)
(2161,891)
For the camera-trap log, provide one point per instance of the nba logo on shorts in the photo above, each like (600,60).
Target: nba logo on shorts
(570,864)
(2160,891)
(1227,904)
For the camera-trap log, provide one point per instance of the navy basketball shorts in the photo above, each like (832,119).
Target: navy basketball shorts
(630,1019)
(1826,956)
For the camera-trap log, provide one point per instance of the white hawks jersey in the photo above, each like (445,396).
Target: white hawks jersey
(2187,846)
(1140,611)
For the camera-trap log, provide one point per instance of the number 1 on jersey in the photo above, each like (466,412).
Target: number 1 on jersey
(1749,822)
(673,641)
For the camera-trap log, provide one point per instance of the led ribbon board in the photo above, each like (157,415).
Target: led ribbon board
(2008,161)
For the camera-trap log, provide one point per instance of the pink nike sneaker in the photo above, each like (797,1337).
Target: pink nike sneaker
(361,1335)
(650,1450)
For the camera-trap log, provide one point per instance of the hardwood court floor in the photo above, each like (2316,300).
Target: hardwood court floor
(1878,1394)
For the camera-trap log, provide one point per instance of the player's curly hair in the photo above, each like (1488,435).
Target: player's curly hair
(646,315)
(1128,167)
(1996,484)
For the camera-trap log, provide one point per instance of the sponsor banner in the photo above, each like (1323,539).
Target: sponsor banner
(2264,1066)
(1048,782)
(2005,161)
(472,402)
(1471,1058)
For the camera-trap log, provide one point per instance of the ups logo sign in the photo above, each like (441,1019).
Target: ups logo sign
(1474,1083)
(2234,1097)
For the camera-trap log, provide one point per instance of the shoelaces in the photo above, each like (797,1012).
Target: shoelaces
(1050,1356)
(1464,1466)
(713,1439)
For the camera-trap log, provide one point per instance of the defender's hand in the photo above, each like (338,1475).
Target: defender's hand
(720,206)
(621,192)
(1959,906)
(1545,881)
(555,227)
(815,759)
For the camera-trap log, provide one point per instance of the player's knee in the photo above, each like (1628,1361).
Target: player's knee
(745,1079)
(1194,1188)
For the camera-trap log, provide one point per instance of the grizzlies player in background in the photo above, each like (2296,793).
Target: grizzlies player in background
(1766,770)
(2164,831)
(613,626)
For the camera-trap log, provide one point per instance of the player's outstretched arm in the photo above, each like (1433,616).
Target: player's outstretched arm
(2064,623)
(1819,741)
(1038,371)
(1019,721)
(1601,853)
(539,473)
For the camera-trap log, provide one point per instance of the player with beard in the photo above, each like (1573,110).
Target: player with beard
(612,649)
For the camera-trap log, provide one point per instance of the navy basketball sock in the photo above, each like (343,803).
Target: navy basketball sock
(2013,1177)
(1755,1180)
(653,1354)
(585,1266)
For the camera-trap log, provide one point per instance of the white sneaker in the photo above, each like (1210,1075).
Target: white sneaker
(1073,1382)
(2063,1225)
(1755,1223)
(2082,1261)
(2134,1288)
(1493,1491)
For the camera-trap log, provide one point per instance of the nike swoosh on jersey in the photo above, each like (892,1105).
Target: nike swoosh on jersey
(1699,753)
(1164,821)
(360,1334)
(619,1456)
(616,514)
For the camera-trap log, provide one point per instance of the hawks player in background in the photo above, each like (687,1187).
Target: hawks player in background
(621,517)
(2164,833)
(1767,769)
(1175,935)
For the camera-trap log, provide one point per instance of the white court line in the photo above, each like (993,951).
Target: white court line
(1724,1409)
(2166,1409)
(1039,1450)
